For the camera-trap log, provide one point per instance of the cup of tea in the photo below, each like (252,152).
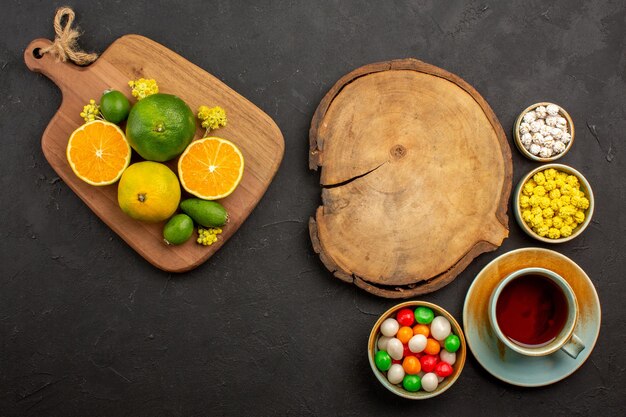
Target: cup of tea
(533,311)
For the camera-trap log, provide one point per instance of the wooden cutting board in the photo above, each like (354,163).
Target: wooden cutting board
(132,57)
(415,175)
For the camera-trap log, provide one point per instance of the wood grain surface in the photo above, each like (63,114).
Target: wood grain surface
(416,176)
(131,57)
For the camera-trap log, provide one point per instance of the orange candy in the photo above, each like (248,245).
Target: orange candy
(432,347)
(421,329)
(411,365)
(405,333)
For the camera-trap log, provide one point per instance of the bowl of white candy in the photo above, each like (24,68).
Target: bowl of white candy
(544,132)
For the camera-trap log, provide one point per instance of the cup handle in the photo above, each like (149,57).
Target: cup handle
(573,347)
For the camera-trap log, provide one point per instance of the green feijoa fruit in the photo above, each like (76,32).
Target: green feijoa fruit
(204,212)
(178,229)
(114,106)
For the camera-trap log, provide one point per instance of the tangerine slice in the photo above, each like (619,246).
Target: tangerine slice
(98,152)
(210,168)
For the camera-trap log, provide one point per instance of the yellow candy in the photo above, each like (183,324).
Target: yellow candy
(533,201)
(550,185)
(579,217)
(539,191)
(527,216)
(557,222)
(566,231)
(544,202)
(536,211)
(539,178)
(523,201)
(548,213)
(554,233)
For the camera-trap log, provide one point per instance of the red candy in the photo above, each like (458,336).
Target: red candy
(407,352)
(429,362)
(443,369)
(405,317)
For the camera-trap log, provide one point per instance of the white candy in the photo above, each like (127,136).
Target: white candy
(530,117)
(448,357)
(534,149)
(535,126)
(545,130)
(382,342)
(556,133)
(389,327)
(537,138)
(417,343)
(551,120)
(395,374)
(542,122)
(440,328)
(395,349)
(524,128)
(526,139)
(545,152)
(566,138)
(541,112)
(430,382)
(548,141)
(552,109)
(558,146)
(561,121)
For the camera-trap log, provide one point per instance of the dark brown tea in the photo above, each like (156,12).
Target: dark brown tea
(531,310)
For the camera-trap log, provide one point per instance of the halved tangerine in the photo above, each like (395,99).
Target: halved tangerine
(210,168)
(98,152)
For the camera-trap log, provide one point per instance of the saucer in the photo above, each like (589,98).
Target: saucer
(502,362)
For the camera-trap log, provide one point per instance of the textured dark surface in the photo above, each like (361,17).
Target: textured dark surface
(87,327)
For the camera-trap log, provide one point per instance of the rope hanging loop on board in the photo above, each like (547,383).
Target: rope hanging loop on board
(65,45)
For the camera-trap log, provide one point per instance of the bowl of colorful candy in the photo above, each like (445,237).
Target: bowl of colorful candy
(417,350)
(553,203)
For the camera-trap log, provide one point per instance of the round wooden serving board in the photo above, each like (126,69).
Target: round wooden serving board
(416,176)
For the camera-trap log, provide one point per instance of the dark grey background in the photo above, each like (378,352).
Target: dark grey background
(87,327)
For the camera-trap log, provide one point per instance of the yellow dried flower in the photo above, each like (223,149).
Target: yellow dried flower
(91,111)
(208,236)
(143,88)
(212,118)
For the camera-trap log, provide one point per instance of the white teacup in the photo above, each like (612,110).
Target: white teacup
(565,340)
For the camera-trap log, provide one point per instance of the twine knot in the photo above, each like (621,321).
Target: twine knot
(65,45)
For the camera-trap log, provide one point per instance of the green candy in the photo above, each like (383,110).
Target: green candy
(452,343)
(412,383)
(424,315)
(382,360)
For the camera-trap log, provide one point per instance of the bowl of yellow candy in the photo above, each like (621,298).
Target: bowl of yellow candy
(553,203)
